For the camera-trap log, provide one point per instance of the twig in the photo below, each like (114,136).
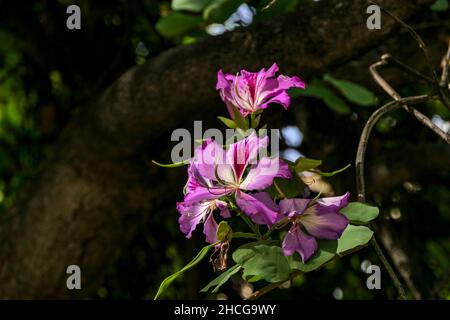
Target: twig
(416,37)
(389,58)
(389,268)
(360,182)
(271,3)
(360,154)
(391,92)
(444,76)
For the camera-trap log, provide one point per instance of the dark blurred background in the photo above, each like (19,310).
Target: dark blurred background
(47,73)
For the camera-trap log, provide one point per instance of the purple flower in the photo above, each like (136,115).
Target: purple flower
(252,91)
(191,214)
(320,220)
(236,171)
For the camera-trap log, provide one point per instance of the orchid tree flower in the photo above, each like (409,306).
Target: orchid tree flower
(320,219)
(250,92)
(236,171)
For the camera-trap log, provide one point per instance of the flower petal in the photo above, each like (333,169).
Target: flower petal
(323,219)
(245,152)
(262,174)
(297,240)
(210,229)
(259,207)
(337,203)
(293,207)
(191,214)
(206,193)
(207,157)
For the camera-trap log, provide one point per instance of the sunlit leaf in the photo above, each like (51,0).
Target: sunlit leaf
(264,259)
(360,212)
(326,252)
(353,237)
(167,281)
(353,92)
(222,279)
(305,164)
(228,122)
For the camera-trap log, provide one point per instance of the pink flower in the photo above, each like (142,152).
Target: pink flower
(320,220)
(253,91)
(236,171)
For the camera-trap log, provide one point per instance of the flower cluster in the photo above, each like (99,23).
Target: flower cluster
(235,179)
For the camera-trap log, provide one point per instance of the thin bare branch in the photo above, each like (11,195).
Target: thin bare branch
(391,92)
(416,37)
(445,67)
(362,146)
(389,58)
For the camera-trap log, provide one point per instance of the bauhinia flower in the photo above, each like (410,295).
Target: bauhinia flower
(235,172)
(320,219)
(253,91)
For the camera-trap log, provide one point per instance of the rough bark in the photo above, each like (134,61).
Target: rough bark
(83,205)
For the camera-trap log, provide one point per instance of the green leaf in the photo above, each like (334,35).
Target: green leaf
(330,174)
(305,164)
(176,23)
(246,235)
(171,165)
(440,5)
(254,120)
(289,187)
(220,10)
(189,5)
(222,279)
(353,237)
(228,122)
(239,119)
(319,90)
(353,92)
(224,232)
(254,279)
(264,259)
(360,212)
(167,281)
(326,252)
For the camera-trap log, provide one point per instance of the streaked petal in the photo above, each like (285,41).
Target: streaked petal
(205,193)
(259,207)
(293,207)
(191,214)
(210,229)
(335,203)
(262,174)
(323,219)
(324,224)
(245,152)
(297,240)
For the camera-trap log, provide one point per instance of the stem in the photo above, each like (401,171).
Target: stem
(389,268)
(417,114)
(252,226)
(360,183)
(279,190)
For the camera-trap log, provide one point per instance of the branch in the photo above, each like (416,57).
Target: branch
(360,184)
